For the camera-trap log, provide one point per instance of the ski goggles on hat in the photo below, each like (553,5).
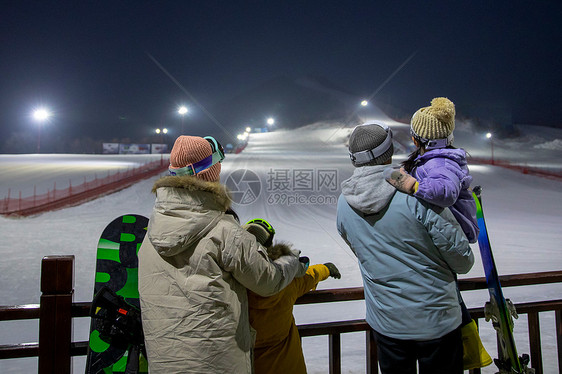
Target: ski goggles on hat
(197,167)
(216,147)
(263,223)
(363,157)
(433,143)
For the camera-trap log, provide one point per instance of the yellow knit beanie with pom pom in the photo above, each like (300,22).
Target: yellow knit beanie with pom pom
(436,121)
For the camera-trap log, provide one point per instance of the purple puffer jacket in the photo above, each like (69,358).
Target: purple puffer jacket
(444,181)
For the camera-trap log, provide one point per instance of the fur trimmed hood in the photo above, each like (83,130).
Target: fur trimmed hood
(278,249)
(191,183)
(186,209)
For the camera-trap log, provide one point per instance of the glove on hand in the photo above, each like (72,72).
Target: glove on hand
(400,179)
(303,266)
(334,272)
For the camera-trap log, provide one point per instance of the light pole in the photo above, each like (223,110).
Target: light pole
(40,115)
(489,136)
(182,111)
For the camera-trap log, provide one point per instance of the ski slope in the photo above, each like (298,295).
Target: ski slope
(292,178)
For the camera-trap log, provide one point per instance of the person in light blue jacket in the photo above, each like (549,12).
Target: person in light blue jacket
(437,172)
(409,252)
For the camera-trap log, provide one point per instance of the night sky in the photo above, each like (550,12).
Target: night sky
(89,62)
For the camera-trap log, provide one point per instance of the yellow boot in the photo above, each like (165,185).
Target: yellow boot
(474,355)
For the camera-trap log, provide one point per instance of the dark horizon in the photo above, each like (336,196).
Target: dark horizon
(99,67)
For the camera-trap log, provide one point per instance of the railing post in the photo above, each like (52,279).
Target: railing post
(335,353)
(535,341)
(558,321)
(372,355)
(55,321)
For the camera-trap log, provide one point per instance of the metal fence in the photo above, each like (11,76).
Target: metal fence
(71,195)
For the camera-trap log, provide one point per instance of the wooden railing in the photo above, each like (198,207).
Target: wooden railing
(56,311)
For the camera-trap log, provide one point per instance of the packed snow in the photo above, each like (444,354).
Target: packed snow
(292,178)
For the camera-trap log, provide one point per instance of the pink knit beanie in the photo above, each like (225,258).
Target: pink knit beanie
(191,149)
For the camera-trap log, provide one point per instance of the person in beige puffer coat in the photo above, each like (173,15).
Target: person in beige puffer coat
(195,267)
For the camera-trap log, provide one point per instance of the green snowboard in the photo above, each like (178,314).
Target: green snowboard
(116,308)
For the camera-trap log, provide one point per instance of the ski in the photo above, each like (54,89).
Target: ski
(498,309)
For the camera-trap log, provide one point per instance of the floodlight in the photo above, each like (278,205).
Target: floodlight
(41,114)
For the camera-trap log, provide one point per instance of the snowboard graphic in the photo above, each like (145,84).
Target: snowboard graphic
(498,309)
(115,330)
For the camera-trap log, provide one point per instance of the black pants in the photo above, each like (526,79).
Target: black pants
(466,318)
(437,356)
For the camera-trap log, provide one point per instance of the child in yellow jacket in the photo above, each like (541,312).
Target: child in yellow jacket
(278,345)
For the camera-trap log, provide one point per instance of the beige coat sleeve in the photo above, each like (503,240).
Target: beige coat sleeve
(247,261)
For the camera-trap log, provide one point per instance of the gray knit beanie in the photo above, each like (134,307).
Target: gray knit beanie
(367,137)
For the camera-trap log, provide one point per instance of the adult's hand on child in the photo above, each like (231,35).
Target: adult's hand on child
(305,262)
(334,272)
(303,267)
(401,180)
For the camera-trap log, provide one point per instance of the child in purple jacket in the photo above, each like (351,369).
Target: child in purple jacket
(438,173)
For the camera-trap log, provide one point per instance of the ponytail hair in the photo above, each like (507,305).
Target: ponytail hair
(410,162)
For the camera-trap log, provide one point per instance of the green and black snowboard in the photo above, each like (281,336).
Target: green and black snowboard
(116,341)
